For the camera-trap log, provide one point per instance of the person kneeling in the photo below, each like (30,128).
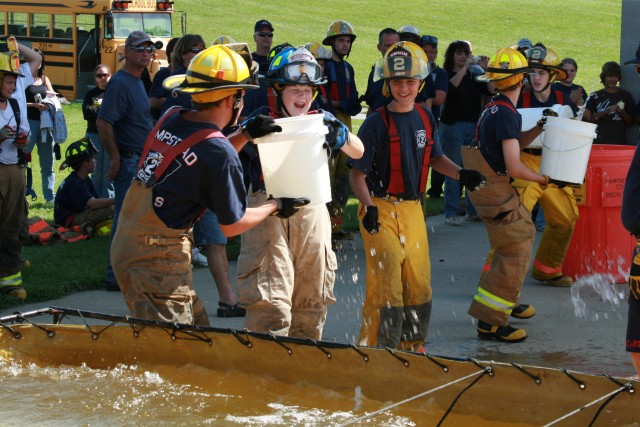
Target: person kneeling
(77,202)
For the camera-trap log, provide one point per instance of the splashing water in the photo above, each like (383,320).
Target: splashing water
(602,285)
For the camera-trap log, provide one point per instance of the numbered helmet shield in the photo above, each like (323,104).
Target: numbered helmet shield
(540,56)
(403,60)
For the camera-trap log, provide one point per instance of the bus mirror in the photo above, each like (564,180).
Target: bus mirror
(159,45)
(108,24)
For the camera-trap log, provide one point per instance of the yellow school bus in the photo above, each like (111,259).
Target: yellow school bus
(77,35)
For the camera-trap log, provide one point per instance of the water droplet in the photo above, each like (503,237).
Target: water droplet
(372,251)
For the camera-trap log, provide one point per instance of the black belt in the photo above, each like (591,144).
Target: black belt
(534,151)
(126,153)
(399,196)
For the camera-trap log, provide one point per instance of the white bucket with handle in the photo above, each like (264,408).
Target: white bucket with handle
(295,161)
(530,117)
(566,148)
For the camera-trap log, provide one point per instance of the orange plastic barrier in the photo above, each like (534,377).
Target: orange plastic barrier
(600,244)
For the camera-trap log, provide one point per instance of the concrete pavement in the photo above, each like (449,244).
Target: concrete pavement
(593,342)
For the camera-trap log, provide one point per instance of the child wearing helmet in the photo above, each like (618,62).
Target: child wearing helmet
(186,167)
(341,85)
(286,268)
(401,142)
(14,128)
(495,152)
(77,202)
(558,204)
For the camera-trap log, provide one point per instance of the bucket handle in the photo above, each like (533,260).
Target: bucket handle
(565,151)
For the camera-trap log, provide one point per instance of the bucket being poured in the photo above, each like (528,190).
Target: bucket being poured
(294,161)
(566,148)
(530,117)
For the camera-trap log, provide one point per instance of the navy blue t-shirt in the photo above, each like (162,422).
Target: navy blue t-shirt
(550,102)
(437,80)
(72,197)
(631,197)
(206,176)
(498,123)
(375,161)
(126,106)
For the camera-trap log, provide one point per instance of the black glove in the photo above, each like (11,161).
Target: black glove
(471,179)
(56,151)
(370,220)
(562,184)
(288,206)
(259,126)
(338,132)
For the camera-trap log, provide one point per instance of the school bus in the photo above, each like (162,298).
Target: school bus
(77,35)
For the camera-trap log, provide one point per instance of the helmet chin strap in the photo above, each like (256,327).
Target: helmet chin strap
(279,102)
(236,110)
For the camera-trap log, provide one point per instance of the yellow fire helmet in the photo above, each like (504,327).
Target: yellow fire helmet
(507,67)
(338,28)
(215,73)
(318,51)
(223,40)
(546,58)
(403,60)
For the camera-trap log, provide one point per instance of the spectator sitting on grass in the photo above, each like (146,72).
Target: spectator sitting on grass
(77,201)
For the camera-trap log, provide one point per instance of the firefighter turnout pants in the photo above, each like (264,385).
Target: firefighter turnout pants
(152,263)
(397,307)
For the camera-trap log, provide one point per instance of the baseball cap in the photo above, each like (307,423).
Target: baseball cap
(136,38)
(635,60)
(525,43)
(262,23)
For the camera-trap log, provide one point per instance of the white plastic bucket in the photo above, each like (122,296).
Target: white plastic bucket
(530,117)
(294,161)
(566,148)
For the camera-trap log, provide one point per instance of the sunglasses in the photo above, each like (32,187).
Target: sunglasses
(102,75)
(148,49)
(263,34)
(429,40)
(196,49)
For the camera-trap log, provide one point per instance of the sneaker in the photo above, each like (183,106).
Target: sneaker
(500,333)
(523,311)
(452,220)
(197,259)
(561,281)
(472,218)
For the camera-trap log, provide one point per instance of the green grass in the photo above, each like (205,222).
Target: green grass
(587,30)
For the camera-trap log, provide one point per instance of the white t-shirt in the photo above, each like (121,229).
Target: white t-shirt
(8,150)
(21,85)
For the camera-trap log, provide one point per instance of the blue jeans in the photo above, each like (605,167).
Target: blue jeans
(128,169)
(45,156)
(453,138)
(99,176)
(207,231)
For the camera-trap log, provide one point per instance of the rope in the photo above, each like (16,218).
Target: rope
(582,408)
(409,399)
(446,414)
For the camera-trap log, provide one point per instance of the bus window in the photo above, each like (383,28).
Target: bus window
(17,23)
(125,23)
(39,25)
(62,26)
(2,21)
(157,25)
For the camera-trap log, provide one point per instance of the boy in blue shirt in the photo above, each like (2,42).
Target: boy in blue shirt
(77,201)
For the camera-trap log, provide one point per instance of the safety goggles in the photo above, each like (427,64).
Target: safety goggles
(429,40)
(303,72)
(264,34)
(140,49)
(102,75)
(196,50)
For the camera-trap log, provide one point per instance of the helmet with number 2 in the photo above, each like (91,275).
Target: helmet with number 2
(546,58)
(403,60)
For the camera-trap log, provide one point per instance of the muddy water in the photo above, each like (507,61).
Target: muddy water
(128,396)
